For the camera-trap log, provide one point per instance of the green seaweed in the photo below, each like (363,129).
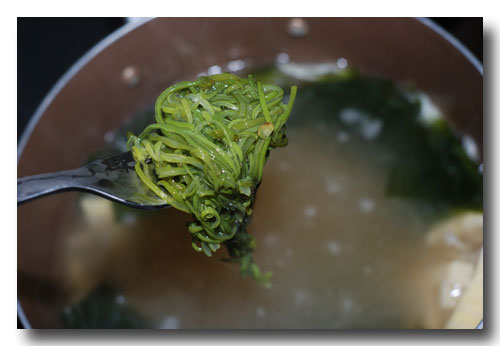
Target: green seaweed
(206,153)
(102,308)
(429,163)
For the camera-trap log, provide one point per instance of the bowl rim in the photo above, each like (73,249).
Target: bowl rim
(137,22)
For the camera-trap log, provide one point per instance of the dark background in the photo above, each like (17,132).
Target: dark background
(47,47)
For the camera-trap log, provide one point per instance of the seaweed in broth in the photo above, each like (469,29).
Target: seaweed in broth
(342,219)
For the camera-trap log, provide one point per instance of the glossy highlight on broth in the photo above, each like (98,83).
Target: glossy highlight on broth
(371,217)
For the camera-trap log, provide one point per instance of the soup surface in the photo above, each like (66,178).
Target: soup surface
(350,217)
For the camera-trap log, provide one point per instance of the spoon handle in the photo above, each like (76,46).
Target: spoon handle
(39,185)
(113,178)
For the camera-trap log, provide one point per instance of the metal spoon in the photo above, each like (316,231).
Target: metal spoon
(113,178)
